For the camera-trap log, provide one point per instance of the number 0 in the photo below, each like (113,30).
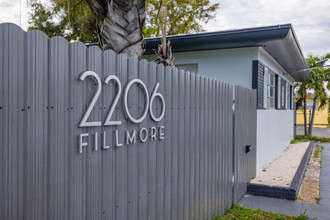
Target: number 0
(137,81)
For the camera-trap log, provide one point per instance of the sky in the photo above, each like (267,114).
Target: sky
(311,19)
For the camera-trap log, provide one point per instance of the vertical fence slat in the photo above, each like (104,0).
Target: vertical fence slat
(197,148)
(218,147)
(160,145)
(223,148)
(143,150)
(12,112)
(175,142)
(121,151)
(132,160)
(36,80)
(94,163)
(3,122)
(186,144)
(168,96)
(192,146)
(78,58)
(107,148)
(152,157)
(202,149)
(181,146)
(213,120)
(230,142)
(58,78)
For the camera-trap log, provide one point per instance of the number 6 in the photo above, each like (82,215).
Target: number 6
(153,96)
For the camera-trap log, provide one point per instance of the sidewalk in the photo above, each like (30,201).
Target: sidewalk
(292,208)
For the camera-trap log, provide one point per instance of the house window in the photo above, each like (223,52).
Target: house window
(283,95)
(192,68)
(271,90)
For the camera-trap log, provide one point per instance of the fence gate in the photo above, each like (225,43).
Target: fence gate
(245,128)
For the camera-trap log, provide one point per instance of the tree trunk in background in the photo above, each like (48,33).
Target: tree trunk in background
(121,23)
(164,53)
(310,128)
(305,113)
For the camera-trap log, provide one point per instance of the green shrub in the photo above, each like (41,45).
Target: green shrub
(328,118)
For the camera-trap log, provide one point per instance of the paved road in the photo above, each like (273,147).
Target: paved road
(318,132)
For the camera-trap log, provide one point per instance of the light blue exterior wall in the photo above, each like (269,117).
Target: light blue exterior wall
(228,65)
(265,58)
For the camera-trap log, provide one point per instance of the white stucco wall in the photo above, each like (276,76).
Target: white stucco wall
(274,133)
(228,65)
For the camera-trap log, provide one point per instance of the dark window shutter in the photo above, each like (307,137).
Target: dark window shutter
(291,97)
(258,82)
(283,93)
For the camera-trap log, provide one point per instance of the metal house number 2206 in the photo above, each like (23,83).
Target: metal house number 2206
(108,122)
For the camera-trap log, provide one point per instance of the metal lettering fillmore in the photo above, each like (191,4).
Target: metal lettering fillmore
(131,137)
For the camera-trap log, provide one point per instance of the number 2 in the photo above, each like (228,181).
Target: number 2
(84,122)
(113,106)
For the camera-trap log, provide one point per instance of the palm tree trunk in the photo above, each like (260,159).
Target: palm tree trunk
(310,128)
(121,23)
(164,53)
(305,116)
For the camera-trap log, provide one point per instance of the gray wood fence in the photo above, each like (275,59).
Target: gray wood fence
(185,175)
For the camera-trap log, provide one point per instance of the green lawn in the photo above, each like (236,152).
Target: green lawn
(239,212)
(303,138)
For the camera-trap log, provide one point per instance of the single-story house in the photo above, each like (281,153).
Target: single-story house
(264,58)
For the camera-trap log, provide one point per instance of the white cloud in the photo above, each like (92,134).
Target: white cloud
(311,19)
(14,11)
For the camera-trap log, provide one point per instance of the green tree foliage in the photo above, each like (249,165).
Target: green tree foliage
(74,20)
(320,78)
(71,19)
(183,16)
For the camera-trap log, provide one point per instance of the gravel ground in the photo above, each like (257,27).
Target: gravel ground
(281,171)
(309,192)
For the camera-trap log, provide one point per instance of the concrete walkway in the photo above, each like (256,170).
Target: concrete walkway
(292,208)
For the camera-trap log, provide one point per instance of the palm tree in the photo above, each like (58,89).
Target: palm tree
(164,52)
(121,23)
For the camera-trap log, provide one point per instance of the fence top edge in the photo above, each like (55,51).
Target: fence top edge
(121,55)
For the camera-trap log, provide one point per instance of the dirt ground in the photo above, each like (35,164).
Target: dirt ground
(309,191)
